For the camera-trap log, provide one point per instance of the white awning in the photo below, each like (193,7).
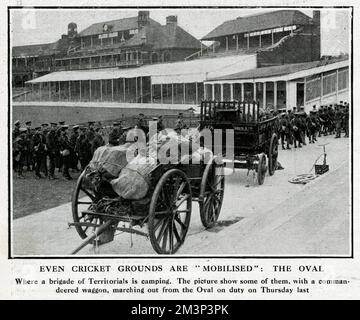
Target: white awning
(176,72)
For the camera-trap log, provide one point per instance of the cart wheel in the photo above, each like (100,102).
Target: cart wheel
(211,193)
(273,154)
(82,200)
(261,168)
(170,211)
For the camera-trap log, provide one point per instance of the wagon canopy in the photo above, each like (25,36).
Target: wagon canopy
(177,72)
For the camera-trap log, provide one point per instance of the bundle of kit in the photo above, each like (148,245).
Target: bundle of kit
(130,178)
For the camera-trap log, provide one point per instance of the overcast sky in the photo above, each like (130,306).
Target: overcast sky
(30,26)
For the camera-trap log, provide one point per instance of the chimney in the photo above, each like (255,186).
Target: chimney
(171,20)
(72,30)
(316,36)
(143,18)
(316,21)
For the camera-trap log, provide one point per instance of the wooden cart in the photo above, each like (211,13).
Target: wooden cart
(255,138)
(163,215)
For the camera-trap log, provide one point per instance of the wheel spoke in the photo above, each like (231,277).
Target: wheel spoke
(163,199)
(210,211)
(91,196)
(180,190)
(84,202)
(176,233)
(157,225)
(175,188)
(162,230)
(178,204)
(161,213)
(164,242)
(171,236)
(178,220)
(182,211)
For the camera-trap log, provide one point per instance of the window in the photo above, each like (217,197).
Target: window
(313,89)
(329,84)
(343,80)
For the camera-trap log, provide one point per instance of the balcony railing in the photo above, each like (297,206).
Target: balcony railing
(107,64)
(38,67)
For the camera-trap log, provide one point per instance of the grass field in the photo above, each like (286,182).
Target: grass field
(31,195)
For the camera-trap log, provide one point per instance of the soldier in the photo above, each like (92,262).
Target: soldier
(52,145)
(73,156)
(19,152)
(160,125)
(285,131)
(141,124)
(290,115)
(180,123)
(311,125)
(44,131)
(338,119)
(346,120)
(28,151)
(58,160)
(97,142)
(65,152)
(39,151)
(331,115)
(326,118)
(83,148)
(15,134)
(116,134)
(303,124)
(16,131)
(296,124)
(321,122)
(91,131)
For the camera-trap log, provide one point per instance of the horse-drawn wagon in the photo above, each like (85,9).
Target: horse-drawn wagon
(162,215)
(255,138)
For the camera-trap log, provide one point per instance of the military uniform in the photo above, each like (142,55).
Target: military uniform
(59,159)
(16,131)
(180,123)
(338,119)
(19,152)
(115,134)
(346,121)
(141,124)
(331,117)
(53,151)
(65,150)
(73,156)
(29,147)
(97,142)
(285,132)
(90,133)
(39,151)
(83,149)
(303,125)
(312,125)
(160,125)
(296,127)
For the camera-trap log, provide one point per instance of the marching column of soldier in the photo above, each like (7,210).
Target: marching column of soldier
(47,148)
(295,125)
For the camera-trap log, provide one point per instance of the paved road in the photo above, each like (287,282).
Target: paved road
(277,218)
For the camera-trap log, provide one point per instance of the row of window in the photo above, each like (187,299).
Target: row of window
(330,82)
(269,31)
(107,38)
